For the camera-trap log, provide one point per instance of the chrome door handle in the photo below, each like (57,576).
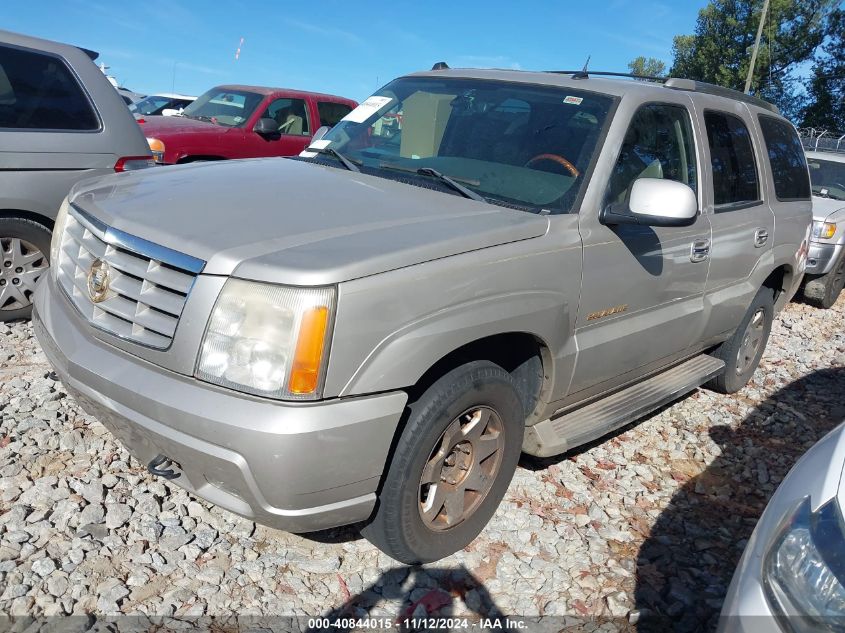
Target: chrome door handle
(761,236)
(700,250)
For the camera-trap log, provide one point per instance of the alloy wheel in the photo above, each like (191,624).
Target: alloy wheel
(461,468)
(21,265)
(752,338)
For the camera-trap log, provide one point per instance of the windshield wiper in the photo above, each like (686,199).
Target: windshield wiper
(447,180)
(333,152)
(466,193)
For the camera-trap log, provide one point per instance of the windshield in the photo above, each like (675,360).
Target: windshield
(514,144)
(828,178)
(229,108)
(156,105)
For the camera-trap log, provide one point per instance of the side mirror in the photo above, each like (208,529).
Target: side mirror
(266,127)
(320,133)
(656,202)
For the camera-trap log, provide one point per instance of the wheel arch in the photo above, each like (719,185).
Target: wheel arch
(34,216)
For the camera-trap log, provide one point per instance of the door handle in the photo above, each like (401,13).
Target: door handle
(761,236)
(700,250)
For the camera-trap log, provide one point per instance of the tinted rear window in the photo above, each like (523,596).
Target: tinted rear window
(786,156)
(38,91)
(732,157)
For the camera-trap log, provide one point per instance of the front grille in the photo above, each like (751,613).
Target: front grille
(147,284)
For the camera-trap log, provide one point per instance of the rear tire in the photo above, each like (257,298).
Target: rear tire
(824,290)
(24,258)
(742,351)
(442,486)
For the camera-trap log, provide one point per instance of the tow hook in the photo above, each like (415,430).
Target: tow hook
(160,465)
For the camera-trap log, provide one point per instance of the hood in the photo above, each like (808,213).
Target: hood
(288,221)
(163,126)
(823,208)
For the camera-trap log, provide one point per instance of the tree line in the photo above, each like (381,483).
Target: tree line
(796,33)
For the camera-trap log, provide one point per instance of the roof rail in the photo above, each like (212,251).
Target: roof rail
(585,74)
(691,85)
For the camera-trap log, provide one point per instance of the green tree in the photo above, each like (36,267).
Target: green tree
(648,66)
(826,86)
(720,49)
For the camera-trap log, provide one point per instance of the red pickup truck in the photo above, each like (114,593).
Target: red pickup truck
(242,122)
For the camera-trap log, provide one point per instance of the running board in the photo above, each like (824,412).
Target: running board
(590,422)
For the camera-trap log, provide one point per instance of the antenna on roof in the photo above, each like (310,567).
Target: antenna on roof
(583,73)
(440,66)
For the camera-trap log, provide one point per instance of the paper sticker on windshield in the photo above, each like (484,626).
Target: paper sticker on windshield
(320,144)
(573,100)
(367,109)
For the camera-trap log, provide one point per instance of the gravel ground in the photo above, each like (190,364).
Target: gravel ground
(650,522)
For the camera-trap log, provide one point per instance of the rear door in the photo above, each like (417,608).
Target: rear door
(641,297)
(740,215)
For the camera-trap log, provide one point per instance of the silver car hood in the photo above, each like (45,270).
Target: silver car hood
(297,223)
(823,208)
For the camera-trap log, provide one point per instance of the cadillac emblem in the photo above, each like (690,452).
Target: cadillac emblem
(99,276)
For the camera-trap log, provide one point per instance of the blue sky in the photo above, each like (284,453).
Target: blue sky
(347,48)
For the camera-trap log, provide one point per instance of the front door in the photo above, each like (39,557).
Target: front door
(642,288)
(293,130)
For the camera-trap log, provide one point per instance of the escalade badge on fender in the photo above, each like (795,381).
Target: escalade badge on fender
(99,277)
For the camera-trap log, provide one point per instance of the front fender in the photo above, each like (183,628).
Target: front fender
(391,328)
(401,358)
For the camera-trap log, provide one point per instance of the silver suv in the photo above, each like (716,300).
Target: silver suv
(471,264)
(60,121)
(825,276)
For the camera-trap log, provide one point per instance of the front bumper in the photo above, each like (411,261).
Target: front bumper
(822,257)
(297,467)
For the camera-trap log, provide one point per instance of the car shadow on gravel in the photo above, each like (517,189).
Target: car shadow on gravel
(685,565)
(422,593)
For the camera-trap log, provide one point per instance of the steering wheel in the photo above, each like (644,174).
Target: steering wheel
(555,158)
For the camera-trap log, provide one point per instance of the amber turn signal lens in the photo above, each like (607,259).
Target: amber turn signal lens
(305,369)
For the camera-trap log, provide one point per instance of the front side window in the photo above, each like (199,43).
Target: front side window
(228,108)
(290,115)
(39,92)
(732,157)
(514,144)
(330,112)
(658,144)
(828,178)
(786,157)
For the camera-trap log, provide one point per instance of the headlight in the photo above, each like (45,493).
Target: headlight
(58,231)
(823,230)
(157,148)
(268,340)
(805,569)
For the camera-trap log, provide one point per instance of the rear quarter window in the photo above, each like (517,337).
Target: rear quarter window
(39,92)
(330,112)
(786,157)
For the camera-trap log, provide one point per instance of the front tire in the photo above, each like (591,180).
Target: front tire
(452,464)
(824,290)
(743,351)
(24,258)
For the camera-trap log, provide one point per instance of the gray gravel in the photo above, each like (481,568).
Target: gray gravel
(650,522)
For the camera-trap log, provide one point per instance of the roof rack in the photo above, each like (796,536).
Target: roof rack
(678,83)
(585,74)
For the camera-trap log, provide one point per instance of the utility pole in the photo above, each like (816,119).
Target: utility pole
(756,46)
